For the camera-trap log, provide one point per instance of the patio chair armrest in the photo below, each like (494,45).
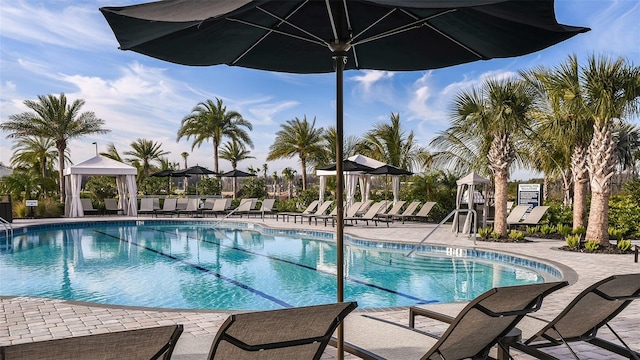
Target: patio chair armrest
(416,311)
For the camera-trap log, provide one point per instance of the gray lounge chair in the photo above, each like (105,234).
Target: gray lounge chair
(534,216)
(408,212)
(486,321)
(394,211)
(87,207)
(293,333)
(312,206)
(220,206)
(193,204)
(580,321)
(371,215)
(169,207)
(147,206)
(516,214)
(111,206)
(424,211)
(266,207)
(147,343)
(321,210)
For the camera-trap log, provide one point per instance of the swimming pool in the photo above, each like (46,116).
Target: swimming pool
(201,265)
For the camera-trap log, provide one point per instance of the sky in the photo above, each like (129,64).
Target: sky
(66,46)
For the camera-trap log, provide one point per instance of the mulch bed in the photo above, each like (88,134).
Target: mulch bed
(609,250)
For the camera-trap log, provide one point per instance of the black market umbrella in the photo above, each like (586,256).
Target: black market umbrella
(388,170)
(348,165)
(235,173)
(198,170)
(326,36)
(169,174)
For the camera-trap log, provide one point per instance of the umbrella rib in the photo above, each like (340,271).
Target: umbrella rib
(324,44)
(374,24)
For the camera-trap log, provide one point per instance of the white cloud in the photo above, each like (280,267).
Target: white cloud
(263,113)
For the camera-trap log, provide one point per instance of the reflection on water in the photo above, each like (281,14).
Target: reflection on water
(196,266)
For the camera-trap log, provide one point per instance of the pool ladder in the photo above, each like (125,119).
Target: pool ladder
(8,232)
(474,215)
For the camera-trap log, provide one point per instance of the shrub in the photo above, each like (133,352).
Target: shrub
(547,229)
(624,215)
(495,235)
(624,245)
(516,235)
(573,241)
(558,213)
(484,232)
(616,234)
(592,245)
(580,230)
(564,230)
(532,229)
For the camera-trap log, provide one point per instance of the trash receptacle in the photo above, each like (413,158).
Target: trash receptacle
(5,207)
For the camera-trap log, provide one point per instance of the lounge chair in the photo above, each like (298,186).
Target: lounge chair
(371,215)
(147,343)
(111,206)
(408,212)
(220,206)
(486,321)
(580,321)
(424,211)
(321,210)
(208,204)
(516,214)
(327,217)
(394,211)
(146,206)
(364,207)
(534,216)
(292,333)
(87,207)
(193,205)
(169,207)
(244,207)
(266,207)
(312,206)
(182,203)
(350,212)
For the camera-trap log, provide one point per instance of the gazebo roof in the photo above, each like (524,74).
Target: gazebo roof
(101,165)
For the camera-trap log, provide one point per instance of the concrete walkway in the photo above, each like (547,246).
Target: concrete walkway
(25,319)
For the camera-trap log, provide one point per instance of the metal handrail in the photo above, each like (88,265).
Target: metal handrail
(8,229)
(215,224)
(473,213)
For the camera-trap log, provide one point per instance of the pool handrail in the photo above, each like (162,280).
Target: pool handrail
(473,213)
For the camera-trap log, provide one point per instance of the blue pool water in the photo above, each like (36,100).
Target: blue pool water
(200,266)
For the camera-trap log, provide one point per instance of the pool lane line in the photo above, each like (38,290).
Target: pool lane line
(378,287)
(203,269)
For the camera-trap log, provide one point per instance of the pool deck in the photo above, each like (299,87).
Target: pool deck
(25,319)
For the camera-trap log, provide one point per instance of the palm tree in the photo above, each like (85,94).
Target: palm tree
(35,152)
(209,120)
(53,118)
(289,174)
(112,153)
(388,143)
(328,156)
(234,152)
(612,92)
(298,137)
(496,117)
(143,153)
(567,124)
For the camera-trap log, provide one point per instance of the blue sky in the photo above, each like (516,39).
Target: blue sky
(65,46)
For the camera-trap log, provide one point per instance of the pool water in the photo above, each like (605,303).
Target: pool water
(198,266)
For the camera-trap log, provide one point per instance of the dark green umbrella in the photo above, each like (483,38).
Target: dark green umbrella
(325,36)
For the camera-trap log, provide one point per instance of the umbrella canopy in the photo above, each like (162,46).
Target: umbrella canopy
(198,170)
(348,165)
(236,173)
(389,170)
(334,35)
(170,173)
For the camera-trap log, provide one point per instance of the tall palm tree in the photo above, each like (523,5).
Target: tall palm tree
(289,174)
(496,115)
(234,152)
(143,153)
(185,155)
(612,92)
(301,138)
(211,120)
(53,118)
(37,152)
(349,146)
(567,123)
(388,143)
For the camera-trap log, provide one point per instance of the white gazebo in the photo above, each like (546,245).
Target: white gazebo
(352,178)
(467,194)
(101,166)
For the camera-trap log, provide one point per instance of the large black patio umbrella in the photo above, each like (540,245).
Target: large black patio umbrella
(348,165)
(386,170)
(169,174)
(302,36)
(235,173)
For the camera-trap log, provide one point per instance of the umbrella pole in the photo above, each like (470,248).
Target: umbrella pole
(339,59)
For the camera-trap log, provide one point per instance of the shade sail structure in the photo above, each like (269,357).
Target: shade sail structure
(327,36)
(101,166)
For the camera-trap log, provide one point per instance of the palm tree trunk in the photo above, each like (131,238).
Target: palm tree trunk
(566,187)
(580,179)
(601,163)
(303,162)
(500,156)
(61,148)
(215,157)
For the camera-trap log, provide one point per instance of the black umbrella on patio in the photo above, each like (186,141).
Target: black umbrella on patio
(348,165)
(169,174)
(235,173)
(388,170)
(326,36)
(198,170)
